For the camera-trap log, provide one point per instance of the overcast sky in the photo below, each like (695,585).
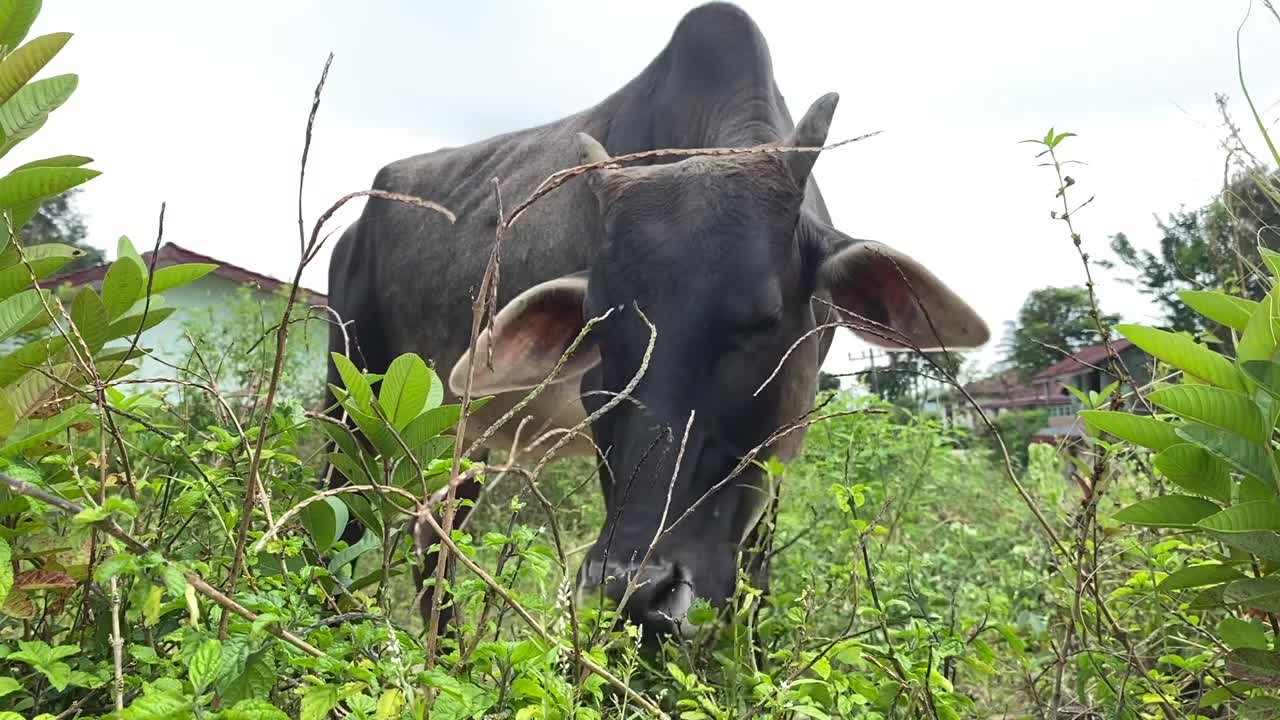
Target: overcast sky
(203,106)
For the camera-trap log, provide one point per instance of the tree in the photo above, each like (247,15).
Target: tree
(909,376)
(1213,247)
(60,221)
(827,381)
(1052,320)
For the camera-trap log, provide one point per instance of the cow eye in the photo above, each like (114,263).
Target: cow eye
(761,323)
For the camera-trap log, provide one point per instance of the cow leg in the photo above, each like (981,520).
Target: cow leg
(428,543)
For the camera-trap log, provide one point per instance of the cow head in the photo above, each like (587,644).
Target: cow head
(718,256)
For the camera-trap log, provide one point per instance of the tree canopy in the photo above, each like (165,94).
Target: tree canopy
(1052,320)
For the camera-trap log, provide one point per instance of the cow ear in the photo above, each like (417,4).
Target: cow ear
(811,131)
(528,337)
(892,289)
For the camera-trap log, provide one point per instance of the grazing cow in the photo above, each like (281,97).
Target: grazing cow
(731,258)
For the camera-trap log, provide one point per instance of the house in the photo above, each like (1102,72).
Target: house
(1088,369)
(212,296)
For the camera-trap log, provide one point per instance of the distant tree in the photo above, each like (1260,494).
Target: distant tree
(827,381)
(909,375)
(1213,247)
(60,221)
(1051,320)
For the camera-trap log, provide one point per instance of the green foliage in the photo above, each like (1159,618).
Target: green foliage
(1016,428)
(1051,321)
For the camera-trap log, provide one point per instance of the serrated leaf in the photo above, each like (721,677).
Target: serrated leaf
(1232,311)
(1140,430)
(353,381)
(174,581)
(30,107)
(1224,409)
(1172,511)
(1260,515)
(167,278)
(1195,470)
(6,570)
(254,709)
(1185,354)
(318,701)
(1200,576)
(123,284)
(1259,667)
(89,316)
(1237,634)
(43,580)
(1249,458)
(389,704)
(202,669)
(18,605)
(325,519)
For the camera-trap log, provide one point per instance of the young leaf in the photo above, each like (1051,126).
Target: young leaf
(1262,335)
(255,709)
(317,701)
(1195,470)
(1262,515)
(1223,409)
(1140,430)
(430,424)
(1232,311)
(1247,457)
(1185,354)
(23,63)
(1200,576)
(1171,511)
(134,324)
(202,670)
(353,381)
(167,278)
(404,389)
(123,284)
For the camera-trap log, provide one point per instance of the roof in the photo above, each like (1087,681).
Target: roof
(1054,435)
(173,254)
(1082,359)
(1005,384)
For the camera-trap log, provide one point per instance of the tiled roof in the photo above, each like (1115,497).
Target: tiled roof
(1093,355)
(172,254)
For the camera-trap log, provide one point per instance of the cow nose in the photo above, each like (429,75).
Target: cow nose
(657,596)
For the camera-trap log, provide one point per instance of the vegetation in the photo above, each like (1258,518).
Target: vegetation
(173,555)
(1052,323)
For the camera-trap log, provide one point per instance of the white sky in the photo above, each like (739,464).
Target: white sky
(203,106)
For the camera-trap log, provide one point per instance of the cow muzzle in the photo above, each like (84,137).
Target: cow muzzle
(656,597)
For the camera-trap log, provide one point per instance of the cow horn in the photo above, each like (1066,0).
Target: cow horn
(811,131)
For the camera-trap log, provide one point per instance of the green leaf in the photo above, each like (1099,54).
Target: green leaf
(1185,354)
(14,365)
(325,520)
(167,278)
(1174,511)
(1245,517)
(1224,409)
(349,468)
(125,249)
(16,18)
(370,541)
(318,701)
(133,324)
(1237,634)
(46,261)
(1232,311)
(202,670)
(404,389)
(89,316)
(1200,576)
(57,160)
(9,685)
(1259,667)
(6,570)
(254,709)
(1265,545)
(364,512)
(8,417)
(1260,338)
(23,186)
(29,108)
(354,382)
(1263,593)
(1140,430)
(123,284)
(430,424)
(175,581)
(1245,456)
(1195,470)
(18,311)
(23,63)
(157,705)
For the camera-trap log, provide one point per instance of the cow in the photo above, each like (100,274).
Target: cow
(725,263)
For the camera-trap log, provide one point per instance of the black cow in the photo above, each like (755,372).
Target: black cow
(729,257)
